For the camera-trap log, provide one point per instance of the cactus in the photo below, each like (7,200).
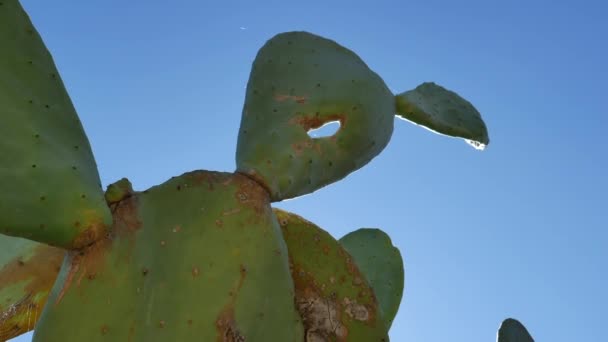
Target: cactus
(333,296)
(381,262)
(202,256)
(28,272)
(511,330)
(49,176)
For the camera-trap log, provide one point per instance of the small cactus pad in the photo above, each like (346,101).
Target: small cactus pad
(49,185)
(334,299)
(511,330)
(443,111)
(382,265)
(299,82)
(118,191)
(27,273)
(197,258)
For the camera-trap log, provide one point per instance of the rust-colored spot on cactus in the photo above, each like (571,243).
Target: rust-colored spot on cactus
(104,329)
(329,304)
(92,258)
(309,122)
(295,98)
(195,271)
(227,329)
(252,194)
(37,275)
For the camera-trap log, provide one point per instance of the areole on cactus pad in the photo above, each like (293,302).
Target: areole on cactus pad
(202,256)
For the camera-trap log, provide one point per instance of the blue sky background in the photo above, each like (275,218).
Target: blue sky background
(518,230)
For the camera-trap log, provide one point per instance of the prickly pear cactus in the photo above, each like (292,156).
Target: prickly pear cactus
(27,272)
(381,262)
(511,330)
(202,257)
(300,81)
(199,257)
(333,296)
(49,185)
(443,111)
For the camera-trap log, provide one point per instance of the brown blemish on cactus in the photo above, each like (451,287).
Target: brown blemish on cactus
(37,275)
(92,258)
(93,233)
(295,98)
(321,315)
(226,325)
(330,304)
(252,194)
(309,122)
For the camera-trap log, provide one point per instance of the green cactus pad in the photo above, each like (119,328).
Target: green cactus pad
(118,191)
(511,330)
(443,111)
(298,82)
(49,185)
(333,297)
(27,273)
(198,258)
(382,265)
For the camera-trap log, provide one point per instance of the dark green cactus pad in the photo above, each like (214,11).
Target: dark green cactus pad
(49,185)
(334,298)
(511,330)
(381,264)
(27,273)
(298,82)
(443,111)
(198,258)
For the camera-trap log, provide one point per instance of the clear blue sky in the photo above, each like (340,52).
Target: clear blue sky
(517,230)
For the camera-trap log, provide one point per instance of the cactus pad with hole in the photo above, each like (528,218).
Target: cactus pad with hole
(298,82)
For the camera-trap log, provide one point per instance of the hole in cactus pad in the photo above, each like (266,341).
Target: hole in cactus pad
(326,130)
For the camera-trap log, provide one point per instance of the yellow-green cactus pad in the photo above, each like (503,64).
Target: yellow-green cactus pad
(381,264)
(198,258)
(511,330)
(27,273)
(334,299)
(443,111)
(49,185)
(299,82)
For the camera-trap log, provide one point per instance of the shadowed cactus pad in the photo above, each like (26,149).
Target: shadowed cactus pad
(382,265)
(298,82)
(334,298)
(27,273)
(49,186)
(511,330)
